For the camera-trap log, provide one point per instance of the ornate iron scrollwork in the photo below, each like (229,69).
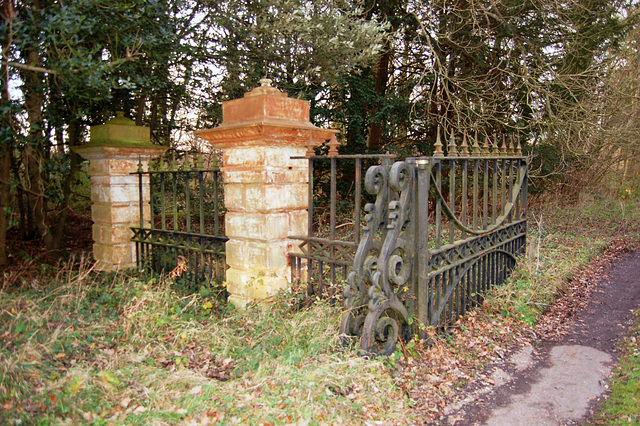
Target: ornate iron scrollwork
(387,315)
(365,264)
(399,274)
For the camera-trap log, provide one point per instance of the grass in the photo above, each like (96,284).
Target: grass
(622,407)
(83,347)
(101,348)
(562,240)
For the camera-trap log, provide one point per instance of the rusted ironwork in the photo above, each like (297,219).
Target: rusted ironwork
(453,228)
(326,254)
(187,212)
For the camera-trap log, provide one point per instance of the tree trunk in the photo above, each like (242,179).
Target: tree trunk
(5,199)
(5,177)
(5,149)
(374,140)
(34,102)
(75,132)
(142,102)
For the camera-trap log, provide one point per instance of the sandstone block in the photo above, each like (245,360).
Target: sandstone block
(112,234)
(248,255)
(257,226)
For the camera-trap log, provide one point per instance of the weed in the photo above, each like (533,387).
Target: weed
(623,404)
(564,240)
(116,348)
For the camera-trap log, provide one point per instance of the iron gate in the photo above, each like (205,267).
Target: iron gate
(442,231)
(325,255)
(185,232)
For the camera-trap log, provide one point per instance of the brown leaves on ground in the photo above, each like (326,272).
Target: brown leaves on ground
(439,367)
(576,293)
(435,371)
(199,360)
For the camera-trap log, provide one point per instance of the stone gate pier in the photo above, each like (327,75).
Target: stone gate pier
(115,150)
(266,191)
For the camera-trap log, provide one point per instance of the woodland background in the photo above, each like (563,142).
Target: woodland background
(562,75)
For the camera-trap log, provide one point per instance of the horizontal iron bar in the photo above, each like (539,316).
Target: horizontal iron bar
(325,241)
(327,260)
(326,157)
(138,237)
(442,249)
(174,171)
(190,234)
(471,157)
(183,247)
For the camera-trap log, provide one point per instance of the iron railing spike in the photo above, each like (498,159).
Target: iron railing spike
(465,145)
(310,147)
(199,161)
(452,150)
(475,149)
(438,145)
(485,148)
(186,165)
(173,165)
(511,151)
(333,146)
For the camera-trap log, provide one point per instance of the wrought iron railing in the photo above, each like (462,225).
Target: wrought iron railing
(326,253)
(186,226)
(442,231)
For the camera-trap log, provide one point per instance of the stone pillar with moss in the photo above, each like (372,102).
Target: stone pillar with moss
(265,190)
(115,150)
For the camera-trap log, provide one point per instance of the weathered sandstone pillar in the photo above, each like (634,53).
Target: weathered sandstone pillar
(265,191)
(114,151)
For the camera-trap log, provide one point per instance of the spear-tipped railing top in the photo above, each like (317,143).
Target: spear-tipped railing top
(465,145)
(475,148)
(310,145)
(511,149)
(438,145)
(452,151)
(485,148)
(333,146)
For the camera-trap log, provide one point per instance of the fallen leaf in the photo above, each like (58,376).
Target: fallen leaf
(125,402)
(139,409)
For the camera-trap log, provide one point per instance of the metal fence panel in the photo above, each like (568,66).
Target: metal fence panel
(186,229)
(454,228)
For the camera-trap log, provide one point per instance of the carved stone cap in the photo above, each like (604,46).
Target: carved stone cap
(266,133)
(265,102)
(265,88)
(120,131)
(132,152)
(265,116)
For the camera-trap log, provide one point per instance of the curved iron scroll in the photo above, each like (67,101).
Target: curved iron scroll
(387,315)
(365,262)
(500,220)
(437,315)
